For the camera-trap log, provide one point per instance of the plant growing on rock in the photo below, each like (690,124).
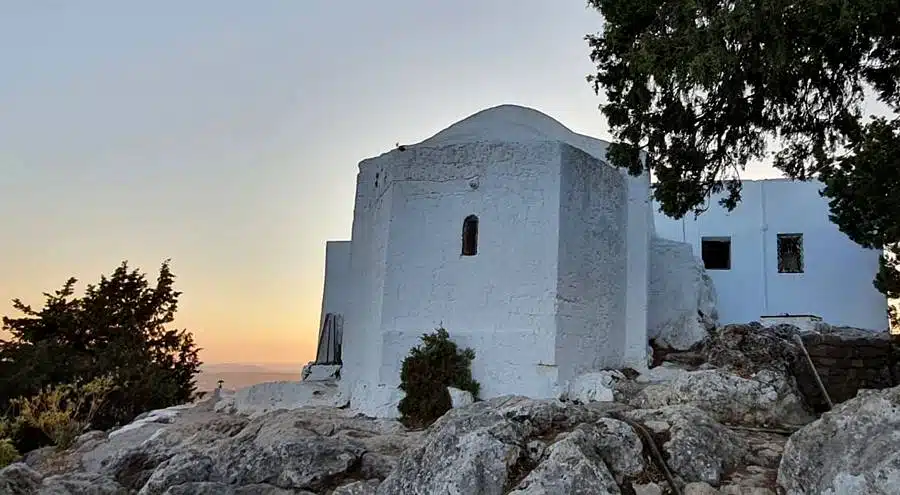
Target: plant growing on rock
(429,369)
(64,412)
(8,452)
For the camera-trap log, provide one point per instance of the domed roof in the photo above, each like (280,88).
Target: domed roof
(514,123)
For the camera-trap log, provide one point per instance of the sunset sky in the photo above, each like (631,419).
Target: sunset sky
(225,135)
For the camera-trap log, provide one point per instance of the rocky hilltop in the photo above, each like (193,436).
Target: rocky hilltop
(735,414)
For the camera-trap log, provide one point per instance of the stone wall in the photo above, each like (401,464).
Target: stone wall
(848,361)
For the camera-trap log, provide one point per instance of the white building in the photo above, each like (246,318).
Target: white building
(778,253)
(511,231)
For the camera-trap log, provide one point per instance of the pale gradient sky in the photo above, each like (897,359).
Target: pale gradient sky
(226,135)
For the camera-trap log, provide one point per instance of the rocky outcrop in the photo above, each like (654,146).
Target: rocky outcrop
(508,443)
(763,398)
(851,450)
(709,427)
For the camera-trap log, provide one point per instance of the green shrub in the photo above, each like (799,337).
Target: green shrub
(427,372)
(121,326)
(63,412)
(8,452)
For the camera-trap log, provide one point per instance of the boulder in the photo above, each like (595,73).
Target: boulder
(501,444)
(460,398)
(19,479)
(574,464)
(764,398)
(596,386)
(682,299)
(698,448)
(314,449)
(852,450)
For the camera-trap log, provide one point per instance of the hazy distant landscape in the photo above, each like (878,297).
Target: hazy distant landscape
(238,375)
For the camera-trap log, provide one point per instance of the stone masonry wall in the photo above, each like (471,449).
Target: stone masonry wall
(848,361)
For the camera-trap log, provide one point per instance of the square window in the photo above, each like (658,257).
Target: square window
(790,253)
(716,253)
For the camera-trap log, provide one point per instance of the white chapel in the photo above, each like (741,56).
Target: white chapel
(513,233)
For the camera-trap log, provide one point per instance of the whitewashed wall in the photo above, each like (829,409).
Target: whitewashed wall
(593,265)
(837,279)
(500,301)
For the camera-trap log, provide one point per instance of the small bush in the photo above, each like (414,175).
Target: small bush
(63,412)
(427,372)
(8,453)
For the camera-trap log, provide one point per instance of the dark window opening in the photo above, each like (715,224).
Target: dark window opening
(470,236)
(716,253)
(790,253)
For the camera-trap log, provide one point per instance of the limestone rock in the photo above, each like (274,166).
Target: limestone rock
(596,386)
(265,397)
(80,484)
(213,488)
(698,448)
(682,298)
(766,397)
(460,398)
(573,465)
(647,489)
(313,372)
(484,448)
(19,479)
(852,450)
(367,487)
(699,488)
(313,449)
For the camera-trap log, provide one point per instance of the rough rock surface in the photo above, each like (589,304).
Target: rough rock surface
(460,398)
(851,450)
(704,419)
(698,448)
(597,386)
(508,443)
(763,398)
(264,397)
(682,298)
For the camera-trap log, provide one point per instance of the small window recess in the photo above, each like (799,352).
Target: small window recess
(790,253)
(716,253)
(470,236)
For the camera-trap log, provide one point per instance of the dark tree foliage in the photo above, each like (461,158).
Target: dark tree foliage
(427,372)
(700,88)
(119,327)
(703,86)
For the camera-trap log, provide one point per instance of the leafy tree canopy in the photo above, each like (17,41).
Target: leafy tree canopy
(701,88)
(119,328)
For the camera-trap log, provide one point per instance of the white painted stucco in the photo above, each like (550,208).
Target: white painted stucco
(837,280)
(558,286)
(575,270)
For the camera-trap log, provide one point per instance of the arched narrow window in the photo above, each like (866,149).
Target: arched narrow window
(470,236)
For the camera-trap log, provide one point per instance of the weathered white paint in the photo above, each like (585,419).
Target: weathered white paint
(559,284)
(837,279)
